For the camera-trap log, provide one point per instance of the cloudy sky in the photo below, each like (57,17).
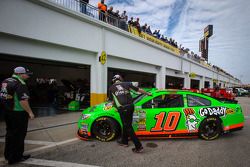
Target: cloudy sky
(184,20)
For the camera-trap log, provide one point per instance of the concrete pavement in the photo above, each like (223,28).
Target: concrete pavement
(46,131)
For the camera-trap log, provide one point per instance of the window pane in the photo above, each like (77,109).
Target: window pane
(197,101)
(165,101)
(148,104)
(174,100)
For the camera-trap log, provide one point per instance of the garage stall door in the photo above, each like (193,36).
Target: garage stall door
(54,85)
(195,84)
(144,80)
(174,82)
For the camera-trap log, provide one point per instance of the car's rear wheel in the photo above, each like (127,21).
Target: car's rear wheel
(210,128)
(105,129)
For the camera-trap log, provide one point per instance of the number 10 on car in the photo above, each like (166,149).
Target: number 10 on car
(172,119)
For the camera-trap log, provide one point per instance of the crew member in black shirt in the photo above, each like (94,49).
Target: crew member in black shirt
(123,101)
(14,98)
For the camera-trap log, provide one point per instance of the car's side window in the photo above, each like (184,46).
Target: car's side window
(153,103)
(174,100)
(194,101)
(165,101)
(148,104)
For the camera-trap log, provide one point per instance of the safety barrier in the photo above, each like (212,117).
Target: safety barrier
(151,38)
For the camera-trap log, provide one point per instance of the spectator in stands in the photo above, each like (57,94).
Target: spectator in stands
(182,53)
(124,15)
(123,21)
(158,34)
(148,30)
(117,18)
(83,6)
(131,21)
(116,14)
(111,15)
(137,25)
(166,40)
(171,41)
(162,38)
(180,46)
(155,33)
(176,45)
(102,10)
(144,27)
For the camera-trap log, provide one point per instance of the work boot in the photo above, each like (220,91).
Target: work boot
(137,150)
(122,144)
(23,158)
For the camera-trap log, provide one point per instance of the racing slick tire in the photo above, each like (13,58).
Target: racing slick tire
(210,128)
(105,129)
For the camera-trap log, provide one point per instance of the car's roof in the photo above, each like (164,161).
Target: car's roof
(171,91)
(179,91)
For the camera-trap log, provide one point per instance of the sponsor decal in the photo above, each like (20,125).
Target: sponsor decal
(4,92)
(4,87)
(25,96)
(84,129)
(121,90)
(103,58)
(137,107)
(139,119)
(213,111)
(191,119)
(107,106)
(229,111)
(141,127)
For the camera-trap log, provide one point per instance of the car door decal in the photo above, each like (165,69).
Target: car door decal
(172,120)
(191,119)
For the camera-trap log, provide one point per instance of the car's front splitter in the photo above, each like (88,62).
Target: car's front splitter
(83,135)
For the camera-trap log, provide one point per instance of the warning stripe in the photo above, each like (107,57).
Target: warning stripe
(240,125)
(165,133)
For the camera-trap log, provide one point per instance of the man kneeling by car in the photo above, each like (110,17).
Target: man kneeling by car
(123,101)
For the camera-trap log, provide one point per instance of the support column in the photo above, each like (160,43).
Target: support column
(187,81)
(202,82)
(99,75)
(161,78)
(210,83)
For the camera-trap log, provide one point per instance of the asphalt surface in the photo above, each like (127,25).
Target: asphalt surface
(230,150)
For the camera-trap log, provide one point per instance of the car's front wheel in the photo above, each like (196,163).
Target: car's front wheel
(210,128)
(105,129)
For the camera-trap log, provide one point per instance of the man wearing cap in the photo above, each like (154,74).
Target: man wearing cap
(14,98)
(121,97)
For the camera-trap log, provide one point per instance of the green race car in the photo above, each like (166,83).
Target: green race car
(165,114)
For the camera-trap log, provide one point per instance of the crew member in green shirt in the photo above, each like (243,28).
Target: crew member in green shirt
(14,98)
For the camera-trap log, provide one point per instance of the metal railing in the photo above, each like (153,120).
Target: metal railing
(91,11)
